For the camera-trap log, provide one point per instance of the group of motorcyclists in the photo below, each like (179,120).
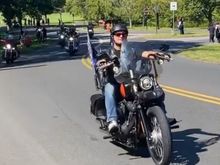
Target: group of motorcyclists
(69,39)
(13,42)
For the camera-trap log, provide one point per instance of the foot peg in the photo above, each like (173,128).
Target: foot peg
(172,121)
(107,137)
(174,127)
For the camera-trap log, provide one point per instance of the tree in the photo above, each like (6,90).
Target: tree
(12,9)
(75,7)
(207,7)
(193,11)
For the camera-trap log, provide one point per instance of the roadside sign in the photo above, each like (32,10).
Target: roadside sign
(173,6)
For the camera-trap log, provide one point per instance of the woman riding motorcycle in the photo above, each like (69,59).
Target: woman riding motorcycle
(119,35)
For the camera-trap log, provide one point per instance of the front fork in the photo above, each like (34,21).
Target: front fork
(143,124)
(8,54)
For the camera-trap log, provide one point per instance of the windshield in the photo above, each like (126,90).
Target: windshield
(131,60)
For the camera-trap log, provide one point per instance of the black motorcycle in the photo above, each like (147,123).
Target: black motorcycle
(61,39)
(71,45)
(91,32)
(10,53)
(141,110)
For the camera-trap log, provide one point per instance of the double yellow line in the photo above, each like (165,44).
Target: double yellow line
(193,95)
(86,62)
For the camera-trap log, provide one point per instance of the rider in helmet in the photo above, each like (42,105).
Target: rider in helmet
(108,25)
(72,31)
(119,34)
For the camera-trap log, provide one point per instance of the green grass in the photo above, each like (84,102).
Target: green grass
(168,33)
(207,53)
(35,45)
(150,32)
(66,17)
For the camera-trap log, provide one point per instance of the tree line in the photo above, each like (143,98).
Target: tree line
(145,12)
(35,9)
(195,12)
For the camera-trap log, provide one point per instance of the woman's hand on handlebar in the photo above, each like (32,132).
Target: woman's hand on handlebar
(153,55)
(149,54)
(101,62)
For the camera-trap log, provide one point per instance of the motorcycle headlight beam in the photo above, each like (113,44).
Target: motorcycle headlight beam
(62,36)
(8,46)
(71,39)
(146,83)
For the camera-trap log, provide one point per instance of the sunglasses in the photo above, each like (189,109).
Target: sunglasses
(123,34)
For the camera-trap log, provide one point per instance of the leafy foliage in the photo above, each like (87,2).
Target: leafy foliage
(194,12)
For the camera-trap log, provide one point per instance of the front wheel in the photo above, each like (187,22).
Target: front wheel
(159,136)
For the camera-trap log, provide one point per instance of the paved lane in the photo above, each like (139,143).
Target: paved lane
(45,119)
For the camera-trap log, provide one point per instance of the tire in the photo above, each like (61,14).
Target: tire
(8,61)
(159,136)
(2,57)
(72,53)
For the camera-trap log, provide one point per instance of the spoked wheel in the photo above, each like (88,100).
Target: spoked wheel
(159,136)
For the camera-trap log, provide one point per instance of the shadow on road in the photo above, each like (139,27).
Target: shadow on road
(22,67)
(176,46)
(187,146)
(140,152)
(51,53)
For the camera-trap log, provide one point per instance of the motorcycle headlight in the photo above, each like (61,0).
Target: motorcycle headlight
(90,30)
(8,46)
(71,39)
(62,36)
(146,82)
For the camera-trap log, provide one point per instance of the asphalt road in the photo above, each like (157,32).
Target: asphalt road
(45,118)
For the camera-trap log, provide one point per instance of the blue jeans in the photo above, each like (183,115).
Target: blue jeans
(111,93)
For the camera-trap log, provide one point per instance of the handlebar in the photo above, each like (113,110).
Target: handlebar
(159,56)
(105,65)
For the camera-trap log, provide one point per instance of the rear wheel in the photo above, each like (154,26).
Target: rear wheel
(159,136)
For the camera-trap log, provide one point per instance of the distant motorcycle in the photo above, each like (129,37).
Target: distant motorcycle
(71,45)
(91,32)
(62,39)
(10,53)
